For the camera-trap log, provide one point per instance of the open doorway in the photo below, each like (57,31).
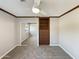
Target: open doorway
(29,34)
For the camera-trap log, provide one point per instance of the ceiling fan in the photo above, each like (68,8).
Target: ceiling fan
(36,9)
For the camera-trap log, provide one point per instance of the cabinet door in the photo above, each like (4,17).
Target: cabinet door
(44,31)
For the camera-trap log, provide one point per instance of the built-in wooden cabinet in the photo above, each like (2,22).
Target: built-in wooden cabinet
(44,31)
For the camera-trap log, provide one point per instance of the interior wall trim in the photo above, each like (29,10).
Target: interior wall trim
(7,12)
(69,11)
(36,16)
(40,16)
(70,54)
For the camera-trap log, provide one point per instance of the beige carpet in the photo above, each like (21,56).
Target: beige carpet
(42,52)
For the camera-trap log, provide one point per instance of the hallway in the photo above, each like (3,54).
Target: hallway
(31,40)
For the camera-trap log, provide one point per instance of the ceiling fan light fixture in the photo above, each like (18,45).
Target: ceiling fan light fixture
(35,10)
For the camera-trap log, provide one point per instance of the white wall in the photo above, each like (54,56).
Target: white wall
(69,33)
(7,33)
(24,35)
(54,31)
(21,21)
(18,32)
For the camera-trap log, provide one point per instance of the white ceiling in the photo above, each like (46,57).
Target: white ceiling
(51,7)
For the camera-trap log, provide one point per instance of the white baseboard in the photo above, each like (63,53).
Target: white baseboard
(8,51)
(67,52)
